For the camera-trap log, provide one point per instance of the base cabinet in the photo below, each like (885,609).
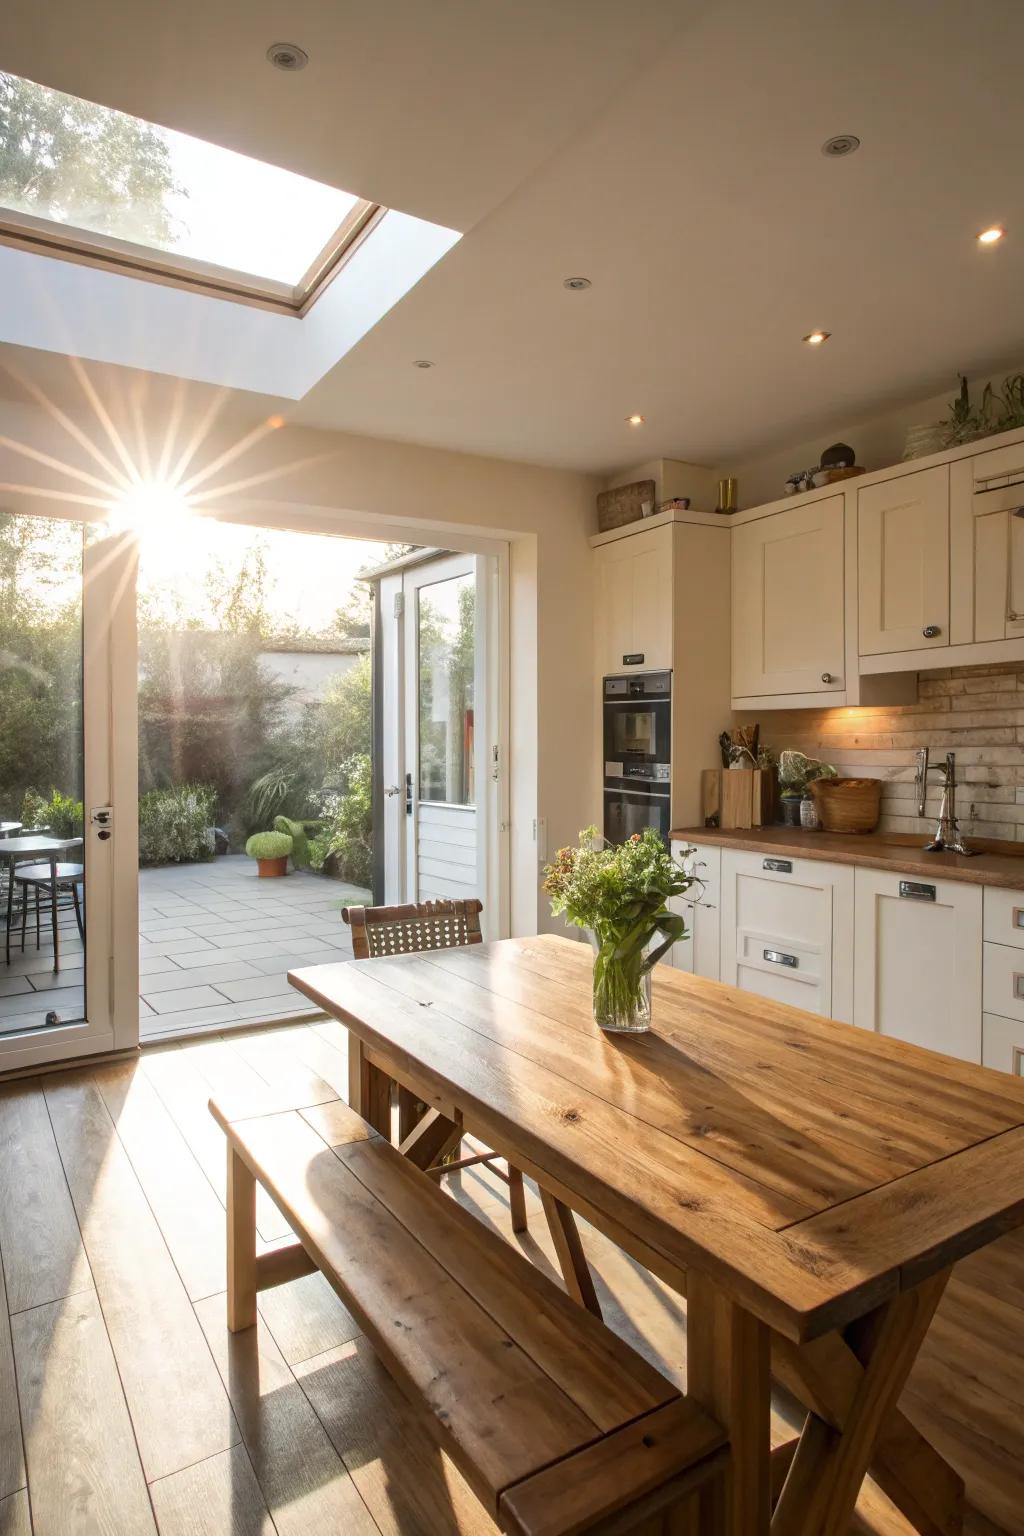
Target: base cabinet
(699,952)
(1002,1044)
(918,961)
(787,931)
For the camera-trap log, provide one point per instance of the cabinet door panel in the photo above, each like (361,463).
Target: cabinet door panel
(1002,1044)
(633,601)
(918,963)
(903,562)
(788,601)
(698,953)
(788,935)
(651,580)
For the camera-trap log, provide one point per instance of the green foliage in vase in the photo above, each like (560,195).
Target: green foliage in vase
(796,771)
(621,894)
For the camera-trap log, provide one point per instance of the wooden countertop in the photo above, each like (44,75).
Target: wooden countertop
(879,850)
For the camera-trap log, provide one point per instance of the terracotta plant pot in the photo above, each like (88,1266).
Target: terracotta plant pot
(271,869)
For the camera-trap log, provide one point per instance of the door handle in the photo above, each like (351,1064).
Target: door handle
(408,794)
(930,631)
(393,789)
(779,957)
(917,890)
(778,866)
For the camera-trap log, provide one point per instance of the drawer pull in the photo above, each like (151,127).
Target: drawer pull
(779,957)
(1017,919)
(778,866)
(917,890)
(1018,985)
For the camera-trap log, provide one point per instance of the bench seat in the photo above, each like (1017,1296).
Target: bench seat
(556,1423)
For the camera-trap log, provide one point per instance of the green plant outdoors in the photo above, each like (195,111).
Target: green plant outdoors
(621,895)
(269,845)
(175,825)
(62,814)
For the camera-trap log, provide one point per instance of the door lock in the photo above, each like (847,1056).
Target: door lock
(102,818)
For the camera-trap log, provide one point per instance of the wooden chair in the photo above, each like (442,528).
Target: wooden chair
(410,929)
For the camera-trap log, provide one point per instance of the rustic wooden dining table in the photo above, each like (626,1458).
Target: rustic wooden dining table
(805,1184)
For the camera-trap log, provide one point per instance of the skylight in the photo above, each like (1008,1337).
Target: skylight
(88,183)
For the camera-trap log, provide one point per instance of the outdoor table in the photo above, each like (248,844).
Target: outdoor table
(808,1185)
(14,850)
(9,828)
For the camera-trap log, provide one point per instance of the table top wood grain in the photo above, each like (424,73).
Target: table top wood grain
(812,1169)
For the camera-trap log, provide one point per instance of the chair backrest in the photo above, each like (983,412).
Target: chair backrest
(405,930)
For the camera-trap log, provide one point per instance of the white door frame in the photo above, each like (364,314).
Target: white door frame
(110,753)
(399,744)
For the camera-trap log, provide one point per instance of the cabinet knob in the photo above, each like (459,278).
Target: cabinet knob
(827,677)
(930,631)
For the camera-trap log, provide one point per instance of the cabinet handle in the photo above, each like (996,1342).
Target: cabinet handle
(917,890)
(1013,618)
(1017,919)
(827,677)
(778,866)
(930,631)
(779,957)
(1018,985)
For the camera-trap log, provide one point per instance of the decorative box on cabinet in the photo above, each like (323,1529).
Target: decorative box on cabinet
(698,953)
(788,603)
(918,961)
(787,930)
(903,563)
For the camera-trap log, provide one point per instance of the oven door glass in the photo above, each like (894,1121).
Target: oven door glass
(636,732)
(626,813)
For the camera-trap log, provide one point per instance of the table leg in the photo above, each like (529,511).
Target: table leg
(53,914)
(572,1261)
(728,1372)
(369,1089)
(831,1460)
(10,905)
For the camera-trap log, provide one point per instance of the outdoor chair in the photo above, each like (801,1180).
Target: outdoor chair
(58,884)
(414,928)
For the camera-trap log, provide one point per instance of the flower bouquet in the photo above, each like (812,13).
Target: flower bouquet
(620,895)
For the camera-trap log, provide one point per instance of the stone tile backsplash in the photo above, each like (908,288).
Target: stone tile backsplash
(976,712)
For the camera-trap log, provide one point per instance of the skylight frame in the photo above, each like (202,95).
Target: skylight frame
(69,242)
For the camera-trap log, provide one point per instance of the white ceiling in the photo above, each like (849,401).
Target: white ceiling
(670,152)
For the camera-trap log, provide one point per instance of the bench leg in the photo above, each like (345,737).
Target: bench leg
(241,1226)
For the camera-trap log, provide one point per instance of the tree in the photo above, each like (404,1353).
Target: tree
(352,620)
(71,160)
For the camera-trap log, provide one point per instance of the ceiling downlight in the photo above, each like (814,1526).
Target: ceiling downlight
(576,284)
(841,144)
(287,56)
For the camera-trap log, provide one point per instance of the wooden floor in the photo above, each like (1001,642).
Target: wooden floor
(125,1406)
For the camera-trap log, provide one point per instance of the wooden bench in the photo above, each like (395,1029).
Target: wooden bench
(558,1425)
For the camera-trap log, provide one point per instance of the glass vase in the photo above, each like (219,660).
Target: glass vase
(621,994)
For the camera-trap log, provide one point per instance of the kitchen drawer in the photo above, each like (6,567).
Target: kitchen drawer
(1004,916)
(1002,1044)
(1003,980)
(796,908)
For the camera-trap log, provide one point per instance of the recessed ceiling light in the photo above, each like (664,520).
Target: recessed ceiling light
(288,56)
(423,362)
(992,235)
(815,338)
(576,284)
(841,144)
(636,420)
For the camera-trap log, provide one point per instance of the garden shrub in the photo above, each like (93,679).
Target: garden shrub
(347,836)
(300,842)
(175,824)
(61,813)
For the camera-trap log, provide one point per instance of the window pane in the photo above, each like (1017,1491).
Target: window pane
(40,770)
(446,631)
(87,166)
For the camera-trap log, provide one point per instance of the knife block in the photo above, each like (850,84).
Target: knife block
(737,798)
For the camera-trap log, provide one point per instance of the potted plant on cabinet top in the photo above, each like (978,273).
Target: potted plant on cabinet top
(620,895)
(270,850)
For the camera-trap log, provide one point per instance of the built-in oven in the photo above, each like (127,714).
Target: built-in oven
(637,754)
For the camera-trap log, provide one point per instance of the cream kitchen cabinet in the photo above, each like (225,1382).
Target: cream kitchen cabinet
(1002,1044)
(1002,1025)
(788,603)
(903,542)
(918,961)
(699,952)
(787,930)
(633,602)
(987,546)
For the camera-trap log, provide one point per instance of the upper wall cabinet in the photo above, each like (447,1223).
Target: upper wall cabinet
(788,602)
(633,609)
(903,563)
(987,538)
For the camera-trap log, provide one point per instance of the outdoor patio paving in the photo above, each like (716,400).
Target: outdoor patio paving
(215,946)
(216,942)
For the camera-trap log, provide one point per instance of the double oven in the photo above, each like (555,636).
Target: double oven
(637,754)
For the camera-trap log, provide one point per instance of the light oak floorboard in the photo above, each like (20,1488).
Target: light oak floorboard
(12,1456)
(15,1518)
(178,1406)
(39,1237)
(83,1467)
(217,1497)
(306,1486)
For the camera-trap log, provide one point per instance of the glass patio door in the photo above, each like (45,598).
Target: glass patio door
(67,761)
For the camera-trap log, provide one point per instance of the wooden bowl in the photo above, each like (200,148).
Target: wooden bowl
(848,805)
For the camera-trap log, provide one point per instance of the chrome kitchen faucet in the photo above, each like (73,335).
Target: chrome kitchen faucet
(947,837)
